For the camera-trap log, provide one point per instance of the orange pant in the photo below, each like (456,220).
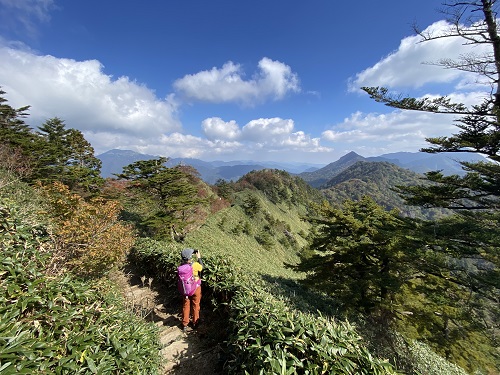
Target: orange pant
(191,305)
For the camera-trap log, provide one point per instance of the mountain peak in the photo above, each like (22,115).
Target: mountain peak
(320,176)
(350,156)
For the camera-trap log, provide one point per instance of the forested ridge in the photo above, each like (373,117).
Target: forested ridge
(345,279)
(377,180)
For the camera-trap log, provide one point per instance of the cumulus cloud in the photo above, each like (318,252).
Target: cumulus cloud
(274,80)
(216,128)
(412,65)
(169,145)
(82,95)
(267,129)
(261,135)
(122,113)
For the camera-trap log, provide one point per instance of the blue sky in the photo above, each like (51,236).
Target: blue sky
(274,80)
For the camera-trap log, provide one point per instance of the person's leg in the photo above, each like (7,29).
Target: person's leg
(195,300)
(186,306)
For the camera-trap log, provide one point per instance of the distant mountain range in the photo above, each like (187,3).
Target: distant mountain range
(317,175)
(113,162)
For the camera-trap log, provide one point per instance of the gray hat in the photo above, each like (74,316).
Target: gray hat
(186,254)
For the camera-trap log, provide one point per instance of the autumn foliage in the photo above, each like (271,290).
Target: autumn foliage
(90,239)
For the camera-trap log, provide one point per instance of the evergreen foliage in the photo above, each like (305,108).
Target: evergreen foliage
(465,248)
(365,255)
(66,156)
(264,334)
(377,263)
(439,278)
(13,131)
(173,195)
(54,153)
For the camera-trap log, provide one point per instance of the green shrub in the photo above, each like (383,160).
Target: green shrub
(270,338)
(265,240)
(63,325)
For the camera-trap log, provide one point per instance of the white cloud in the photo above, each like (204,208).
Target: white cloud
(274,80)
(411,65)
(269,139)
(189,146)
(216,128)
(121,113)
(267,129)
(82,95)
(261,135)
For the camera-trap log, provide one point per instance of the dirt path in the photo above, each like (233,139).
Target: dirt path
(193,352)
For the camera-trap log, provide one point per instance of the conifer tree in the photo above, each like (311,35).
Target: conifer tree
(13,129)
(364,255)
(475,197)
(172,194)
(65,155)
(464,247)
(16,139)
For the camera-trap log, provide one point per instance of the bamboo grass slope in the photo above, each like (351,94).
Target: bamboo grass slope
(53,325)
(232,234)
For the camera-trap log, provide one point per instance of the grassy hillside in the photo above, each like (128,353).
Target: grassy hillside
(231,233)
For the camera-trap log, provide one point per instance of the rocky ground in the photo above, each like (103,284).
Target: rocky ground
(196,351)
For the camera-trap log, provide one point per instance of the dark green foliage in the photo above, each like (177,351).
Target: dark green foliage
(377,263)
(440,104)
(364,254)
(13,130)
(17,141)
(64,155)
(465,246)
(224,189)
(171,193)
(265,240)
(269,338)
(53,154)
(62,325)
(251,205)
(477,190)
(160,259)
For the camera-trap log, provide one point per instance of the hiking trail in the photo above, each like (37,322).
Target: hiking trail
(195,351)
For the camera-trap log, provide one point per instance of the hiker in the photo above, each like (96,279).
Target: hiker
(191,299)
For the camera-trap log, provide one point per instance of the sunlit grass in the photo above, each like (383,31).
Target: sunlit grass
(217,237)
